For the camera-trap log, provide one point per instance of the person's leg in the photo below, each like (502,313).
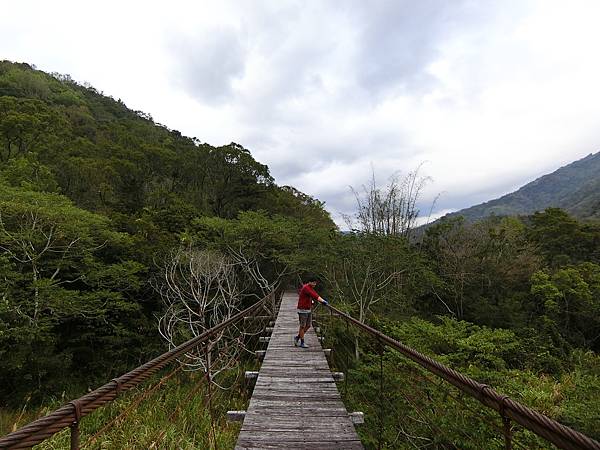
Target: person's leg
(302,319)
(308,323)
(305,319)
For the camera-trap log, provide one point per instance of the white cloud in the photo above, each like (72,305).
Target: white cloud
(490,94)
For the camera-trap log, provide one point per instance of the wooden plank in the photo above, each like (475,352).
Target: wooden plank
(294,426)
(347,445)
(290,420)
(295,402)
(297,436)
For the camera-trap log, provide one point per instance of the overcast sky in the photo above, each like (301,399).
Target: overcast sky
(489,95)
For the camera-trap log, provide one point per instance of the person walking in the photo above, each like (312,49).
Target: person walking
(305,300)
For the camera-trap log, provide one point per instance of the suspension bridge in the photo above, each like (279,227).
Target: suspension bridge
(295,402)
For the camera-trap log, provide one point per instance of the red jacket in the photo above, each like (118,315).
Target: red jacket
(306,294)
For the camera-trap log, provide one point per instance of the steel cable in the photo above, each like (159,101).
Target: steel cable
(41,429)
(545,427)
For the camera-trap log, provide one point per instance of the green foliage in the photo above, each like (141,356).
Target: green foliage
(377,274)
(74,268)
(290,202)
(412,405)
(282,246)
(144,424)
(59,292)
(29,174)
(107,158)
(26,125)
(562,239)
(526,291)
(486,268)
(579,389)
(569,298)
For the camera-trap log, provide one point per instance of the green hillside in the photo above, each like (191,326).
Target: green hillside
(93,198)
(574,188)
(59,136)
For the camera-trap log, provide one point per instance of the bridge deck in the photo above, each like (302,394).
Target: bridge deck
(295,403)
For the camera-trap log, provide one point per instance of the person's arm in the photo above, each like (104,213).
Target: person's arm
(316,296)
(322,300)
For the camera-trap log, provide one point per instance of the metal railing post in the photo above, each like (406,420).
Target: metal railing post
(75,425)
(273,305)
(506,424)
(209,382)
(507,433)
(347,371)
(381,412)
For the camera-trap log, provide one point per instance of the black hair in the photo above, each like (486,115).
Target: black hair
(312,278)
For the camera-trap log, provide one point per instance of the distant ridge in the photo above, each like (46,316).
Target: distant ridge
(574,188)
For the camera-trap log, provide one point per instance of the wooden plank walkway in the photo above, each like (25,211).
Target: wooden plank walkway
(295,403)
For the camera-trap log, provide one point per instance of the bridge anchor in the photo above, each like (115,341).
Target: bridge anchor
(236,416)
(357,417)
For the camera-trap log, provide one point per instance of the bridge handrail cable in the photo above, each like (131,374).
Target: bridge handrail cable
(71,413)
(560,435)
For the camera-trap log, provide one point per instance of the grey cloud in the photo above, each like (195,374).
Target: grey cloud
(399,39)
(323,150)
(294,120)
(206,65)
(392,45)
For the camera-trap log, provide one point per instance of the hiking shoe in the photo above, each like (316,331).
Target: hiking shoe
(296,341)
(303,345)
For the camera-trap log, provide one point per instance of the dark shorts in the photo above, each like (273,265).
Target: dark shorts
(305,319)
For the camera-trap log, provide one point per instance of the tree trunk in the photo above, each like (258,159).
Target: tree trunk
(36,292)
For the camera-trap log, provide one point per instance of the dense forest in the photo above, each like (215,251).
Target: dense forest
(94,198)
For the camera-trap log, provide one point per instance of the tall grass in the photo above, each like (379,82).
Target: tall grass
(178,415)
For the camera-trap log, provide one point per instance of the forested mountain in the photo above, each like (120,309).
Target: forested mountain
(59,136)
(574,188)
(93,197)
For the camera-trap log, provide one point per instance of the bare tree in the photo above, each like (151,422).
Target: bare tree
(200,289)
(362,284)
(254,276)
(368,270)
(392,210)
(33,238)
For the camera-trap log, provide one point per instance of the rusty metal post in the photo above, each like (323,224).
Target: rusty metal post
(75,424)
(507,433)
(347,363)
(210,408)
(273,312)
(381,412)
(74,435)
(506,422)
